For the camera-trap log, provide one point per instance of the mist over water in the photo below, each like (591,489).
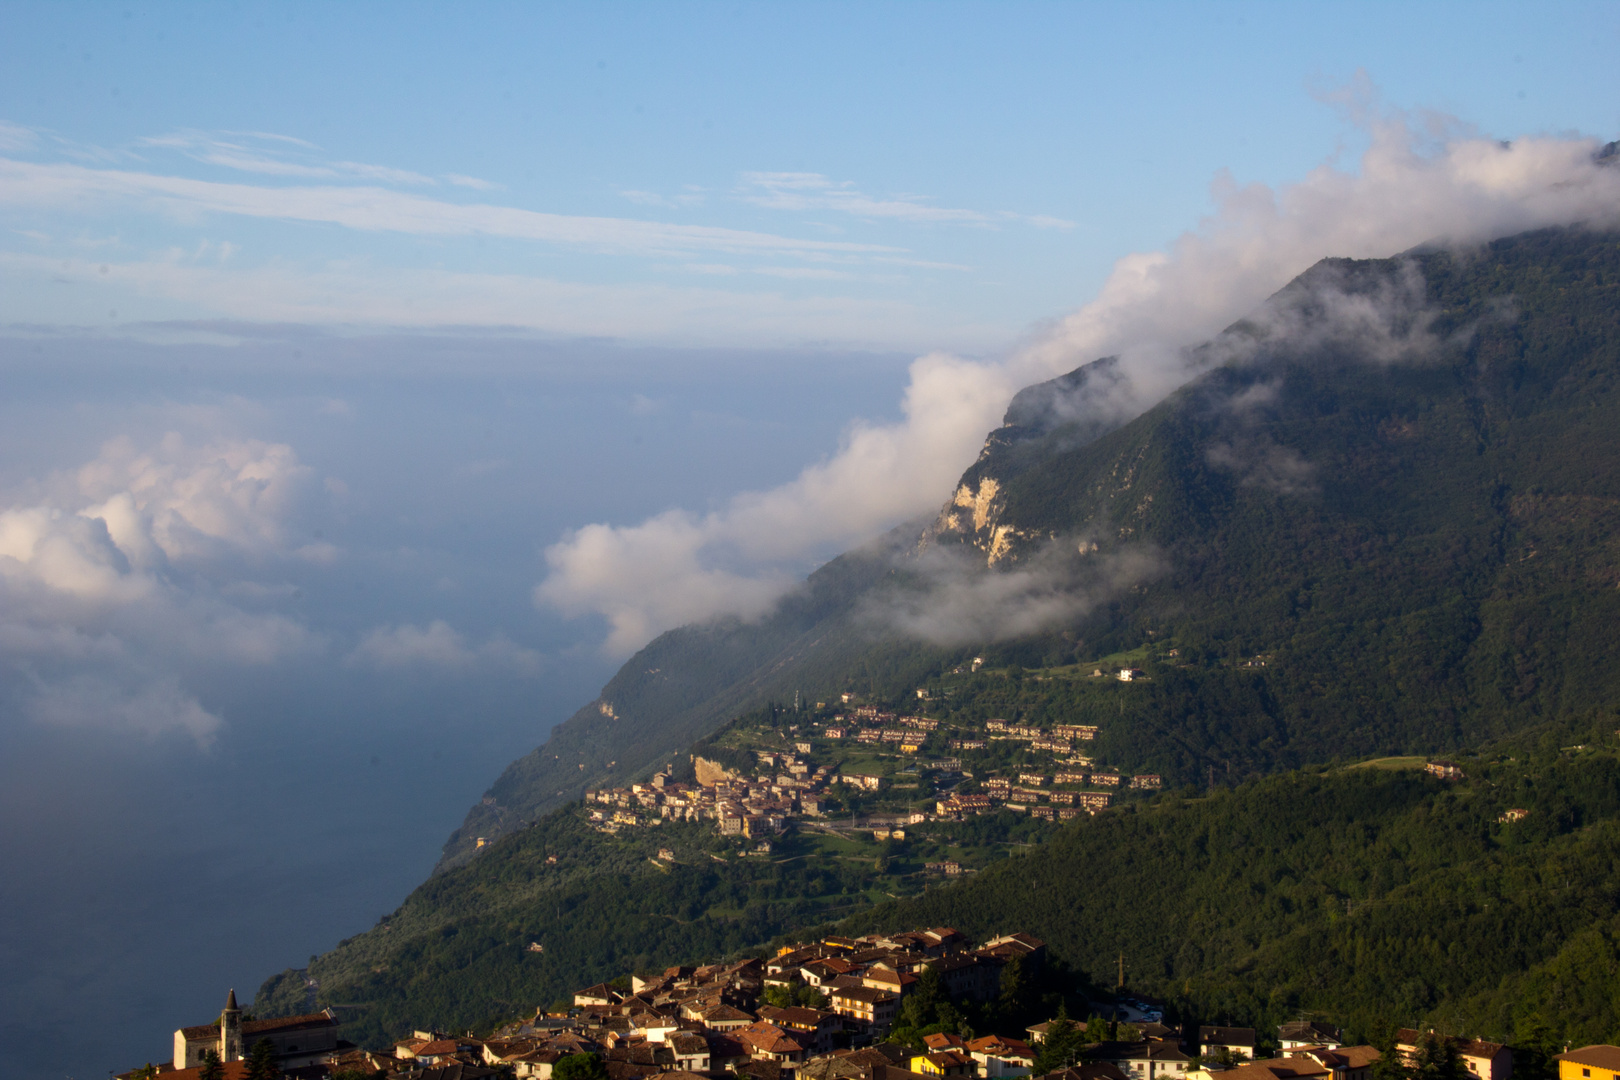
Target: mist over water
(148,872)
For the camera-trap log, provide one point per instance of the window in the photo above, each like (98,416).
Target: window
(1586,1072)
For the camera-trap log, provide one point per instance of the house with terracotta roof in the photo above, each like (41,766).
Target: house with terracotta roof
(768,1042)
(815,1028)
(998,1055)
(1147,1059)
(1485,1060)
(725,1018)
(600,994)
(867,1006)
(1599,1062)
(1091,1070)
(945,1063)
(1028,947)
(1302,1063)
(1297,1033)
(1235,1044)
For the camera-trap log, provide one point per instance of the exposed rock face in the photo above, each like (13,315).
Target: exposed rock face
(1077,408)
(710,772)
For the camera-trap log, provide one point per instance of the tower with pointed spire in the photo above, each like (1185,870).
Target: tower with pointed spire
(230,1030)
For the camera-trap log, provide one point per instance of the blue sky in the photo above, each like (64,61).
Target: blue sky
(377,376)
(900,175)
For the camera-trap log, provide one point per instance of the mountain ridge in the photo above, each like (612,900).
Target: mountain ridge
(1319,421)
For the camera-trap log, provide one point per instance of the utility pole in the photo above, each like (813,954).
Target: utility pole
(1121,984)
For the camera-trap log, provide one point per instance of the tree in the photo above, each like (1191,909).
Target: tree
(923,1000)
(1017,993)
(262,1061)
(1061,1047)
(779,996)
(211,1068)
(1390,1064)
(579,1067)
(810,997)
(1437,1059)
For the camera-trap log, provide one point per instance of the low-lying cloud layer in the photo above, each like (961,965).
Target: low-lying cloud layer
(131,581)
(110,580)
(1409,188)
(948,598)
(437,648)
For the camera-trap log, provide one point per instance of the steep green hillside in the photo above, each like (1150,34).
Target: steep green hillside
(1384,521)
(1400,487)
(1374,896)
(1418,538)
(456,954)
(690,681)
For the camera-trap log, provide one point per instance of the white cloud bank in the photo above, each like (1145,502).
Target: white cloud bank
(1411,187)
(108,581)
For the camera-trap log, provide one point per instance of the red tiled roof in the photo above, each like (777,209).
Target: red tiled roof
(288,1023)
(437,1047)
(233,1070)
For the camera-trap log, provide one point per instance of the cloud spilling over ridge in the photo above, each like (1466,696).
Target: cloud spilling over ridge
(949,599)
(109,581)
(1409,188)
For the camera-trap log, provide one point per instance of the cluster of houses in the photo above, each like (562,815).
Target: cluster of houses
(788,785)
(820,1010)
(739,806)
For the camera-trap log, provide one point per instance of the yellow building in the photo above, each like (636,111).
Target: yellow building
(1590,1063)
(945,1063)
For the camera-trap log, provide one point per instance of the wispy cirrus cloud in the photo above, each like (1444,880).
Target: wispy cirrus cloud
(473,182)
(423,298)
(808,191)
(689,196)
(273,155)
(376,209)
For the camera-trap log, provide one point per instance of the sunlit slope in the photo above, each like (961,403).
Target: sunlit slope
(1373,897)
(1408,511)
(1422,549)
(1372,534)
(690,681)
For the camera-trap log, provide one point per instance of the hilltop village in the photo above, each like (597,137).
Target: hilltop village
(878,1007)
(898,768)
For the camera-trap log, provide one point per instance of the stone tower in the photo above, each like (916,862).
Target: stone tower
(230,1030)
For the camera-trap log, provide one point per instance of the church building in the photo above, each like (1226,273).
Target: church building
(297,1040)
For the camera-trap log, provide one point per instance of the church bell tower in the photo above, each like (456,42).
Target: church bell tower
(230,1030)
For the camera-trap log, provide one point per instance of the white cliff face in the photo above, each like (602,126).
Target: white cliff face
(973,514)
(982,502)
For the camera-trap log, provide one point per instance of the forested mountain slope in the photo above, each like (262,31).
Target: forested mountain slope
(1416,532)
(690,681)
(1383,521)
(1398,486)
(1375,896)
(1372,894)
